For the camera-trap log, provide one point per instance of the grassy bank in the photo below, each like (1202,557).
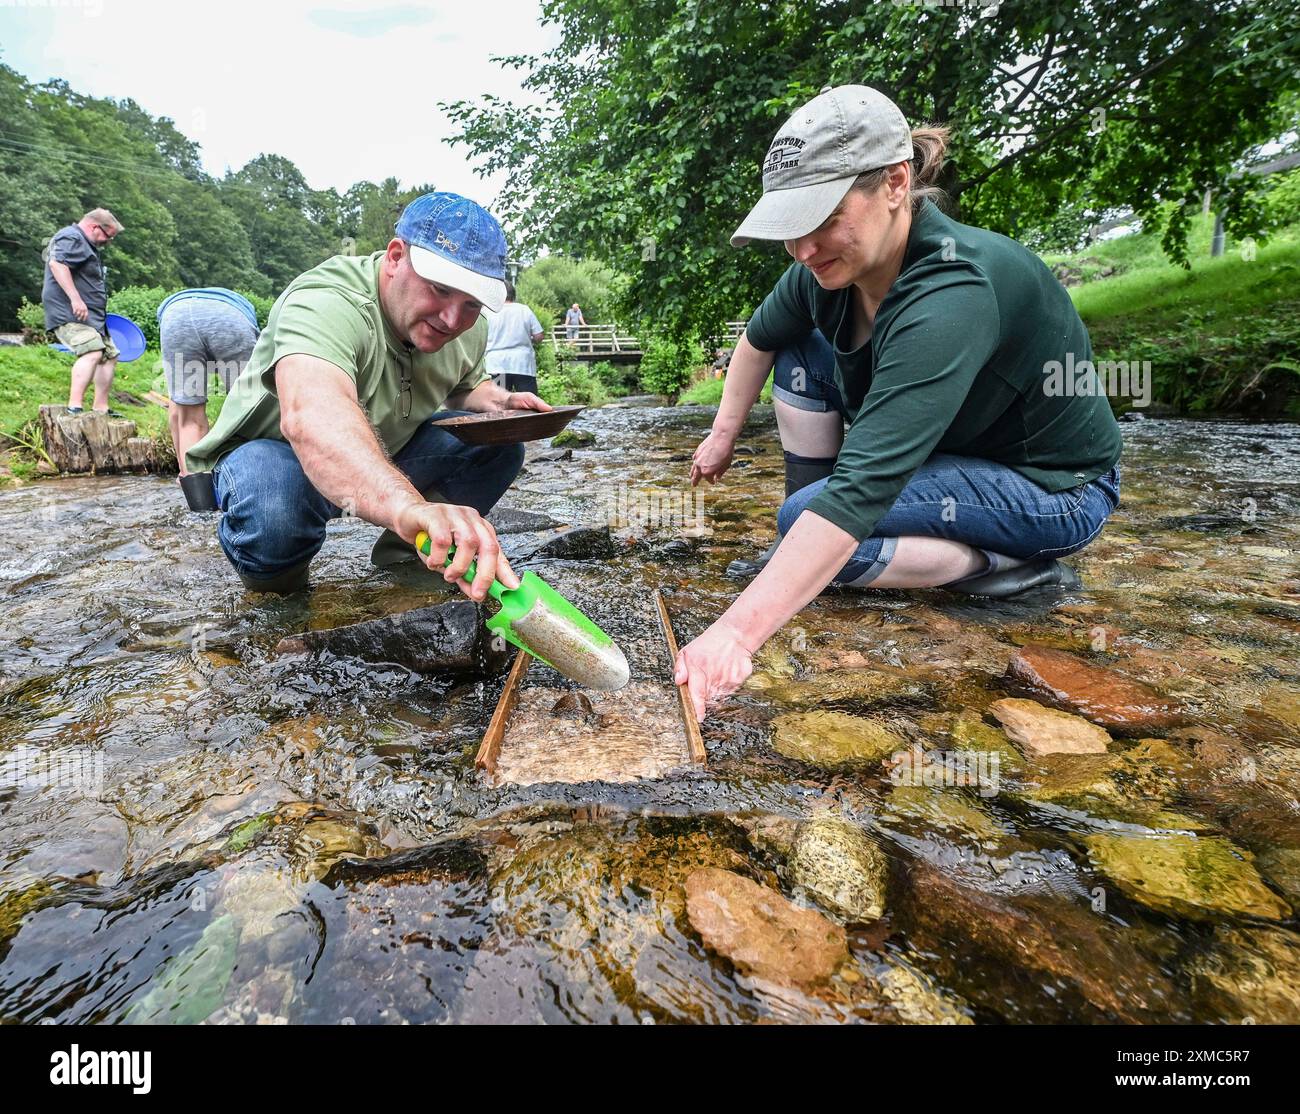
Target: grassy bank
(35,375)
(1223,337)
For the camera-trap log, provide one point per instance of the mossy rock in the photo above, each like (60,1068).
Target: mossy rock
(572,437)
(841,866)
(863,686)
(946,810)
(17,904)
(833,739)
(1200,877)
(969,732)
(1249,974)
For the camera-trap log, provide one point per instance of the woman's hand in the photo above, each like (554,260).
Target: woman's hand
(526,400)
(712,457)
(713,667)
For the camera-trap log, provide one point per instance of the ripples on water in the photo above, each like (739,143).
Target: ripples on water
(172,789)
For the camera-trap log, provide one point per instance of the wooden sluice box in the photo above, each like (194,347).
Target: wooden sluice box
(540,734)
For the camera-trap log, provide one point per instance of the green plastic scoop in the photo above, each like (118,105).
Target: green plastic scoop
(540,621)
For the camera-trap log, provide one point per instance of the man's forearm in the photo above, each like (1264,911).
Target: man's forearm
(63,276)
(744,382)
(340,454)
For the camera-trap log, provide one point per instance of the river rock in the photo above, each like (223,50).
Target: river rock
(947,811)
(573,436)
(191,985)
(967,731)
(773,835)
(841,866)
(917,1000)
(578,543)
(510,520)
(1281,865)
(761,932)
(448,638)
(1039,730)
(1249,974)
(1100,695)
(859,686)
(833,738)
(1000,955)
(1201,877)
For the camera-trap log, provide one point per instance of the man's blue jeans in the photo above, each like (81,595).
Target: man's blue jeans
(967,499)
(274,519)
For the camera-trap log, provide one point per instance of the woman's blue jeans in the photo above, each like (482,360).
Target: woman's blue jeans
(275,519)
(961,498)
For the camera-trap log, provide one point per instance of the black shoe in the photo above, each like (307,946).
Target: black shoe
(76,410)
(111,413)
(284,584)
(741,569)
(1011,582)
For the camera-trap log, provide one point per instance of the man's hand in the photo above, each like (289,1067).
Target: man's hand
(712,458)
(526,400)
(79,310)
(712,667)
(471,534)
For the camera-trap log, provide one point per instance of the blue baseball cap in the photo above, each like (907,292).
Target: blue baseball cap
(457,243)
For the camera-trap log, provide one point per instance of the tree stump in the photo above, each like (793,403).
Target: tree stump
(93,442)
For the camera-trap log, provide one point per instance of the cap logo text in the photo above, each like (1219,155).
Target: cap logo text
(441,241)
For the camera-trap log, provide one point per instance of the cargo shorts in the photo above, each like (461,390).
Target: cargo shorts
(82,338)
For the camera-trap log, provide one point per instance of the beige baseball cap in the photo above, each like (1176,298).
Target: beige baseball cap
(818,154)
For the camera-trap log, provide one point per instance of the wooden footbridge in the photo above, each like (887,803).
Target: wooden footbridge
(613,342)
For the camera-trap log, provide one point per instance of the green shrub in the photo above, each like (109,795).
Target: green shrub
(668,363)
(708,392)
(569,383)
(31,316)
(1282,201)
(618,380)
(140,304)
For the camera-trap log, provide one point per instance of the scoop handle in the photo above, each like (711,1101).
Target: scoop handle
(425,546)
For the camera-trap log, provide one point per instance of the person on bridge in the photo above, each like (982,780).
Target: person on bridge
(512,333)
(359,355)
(572,320)
(964,465)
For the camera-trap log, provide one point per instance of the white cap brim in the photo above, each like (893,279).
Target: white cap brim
(432,267)
(791,213)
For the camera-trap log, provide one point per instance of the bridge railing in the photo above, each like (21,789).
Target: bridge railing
(616,340)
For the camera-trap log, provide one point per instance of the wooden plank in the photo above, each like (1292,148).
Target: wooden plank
(490,748)
(694,740)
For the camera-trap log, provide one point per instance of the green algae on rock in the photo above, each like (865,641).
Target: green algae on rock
(833,738)
(1249,974)
(841,866)
(1185,875)
(193,983)
(945,810)
(859,686)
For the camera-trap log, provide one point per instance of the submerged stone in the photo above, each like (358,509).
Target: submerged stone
(841,866)
(1100,695)
(1185,875)
(833,738)
(945,810)
(843,685)
(448,638)
(192,984)
(1039,730)
(578,543)
(1249,974)
(917,1000)
(761,932)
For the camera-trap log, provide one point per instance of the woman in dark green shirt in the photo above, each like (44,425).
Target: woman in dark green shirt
(980,444)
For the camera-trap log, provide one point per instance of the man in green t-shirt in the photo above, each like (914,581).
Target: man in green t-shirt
(333,413)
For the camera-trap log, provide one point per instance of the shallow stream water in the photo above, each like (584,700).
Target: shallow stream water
(192,828)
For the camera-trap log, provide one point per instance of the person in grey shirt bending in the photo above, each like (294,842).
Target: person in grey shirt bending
(204,332)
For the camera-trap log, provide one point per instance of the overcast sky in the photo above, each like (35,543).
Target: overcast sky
(347,89)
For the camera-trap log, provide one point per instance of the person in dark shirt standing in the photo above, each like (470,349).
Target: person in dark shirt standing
(75,297)
(968,462)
